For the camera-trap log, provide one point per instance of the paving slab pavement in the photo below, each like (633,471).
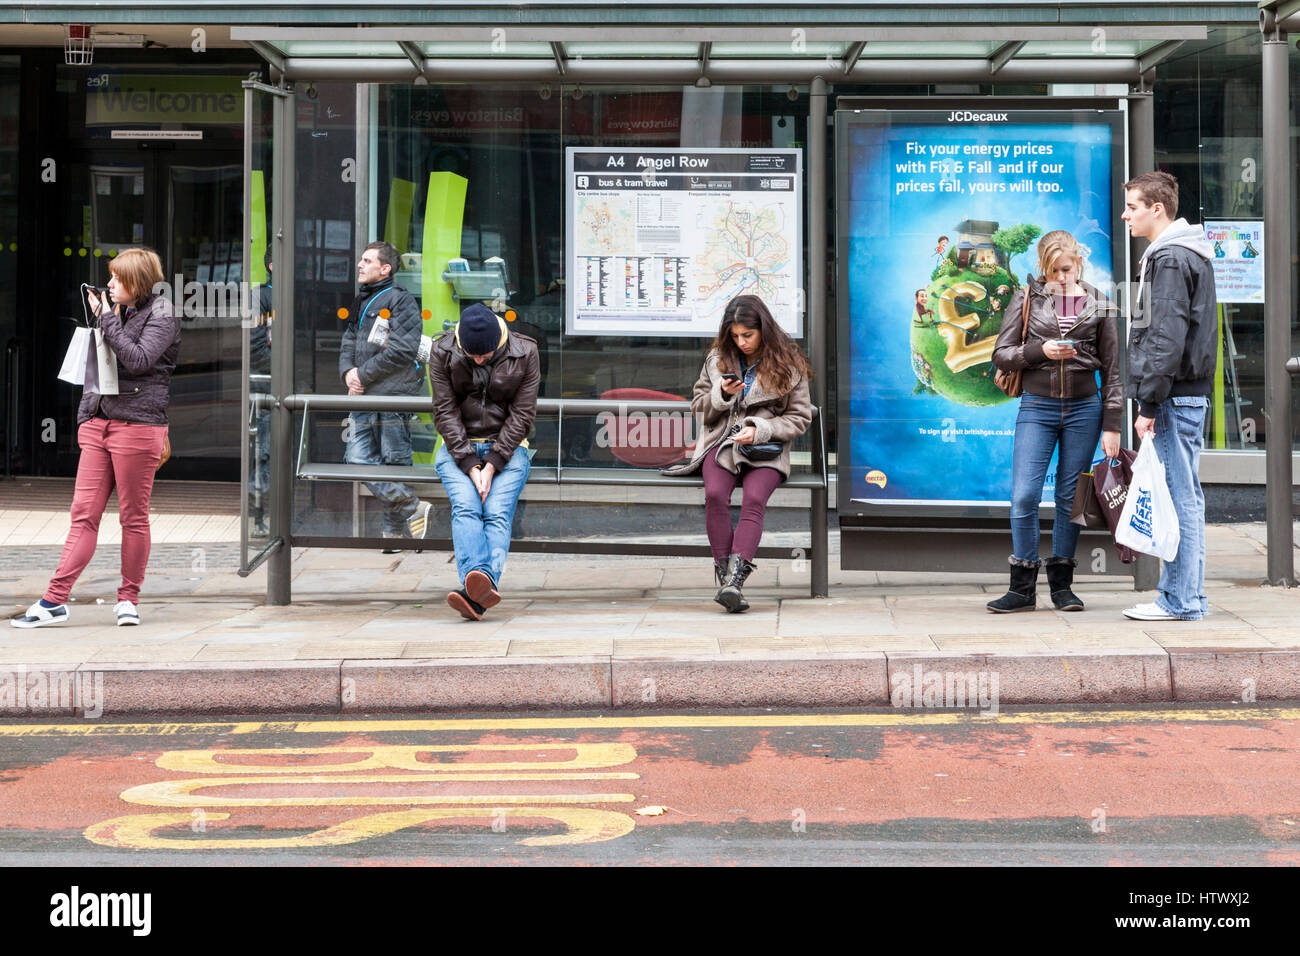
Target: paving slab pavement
(371,633)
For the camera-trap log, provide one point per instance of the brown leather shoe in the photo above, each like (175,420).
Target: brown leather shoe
(478,586)
(463,604)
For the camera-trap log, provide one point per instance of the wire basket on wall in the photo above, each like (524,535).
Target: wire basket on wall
(78,45)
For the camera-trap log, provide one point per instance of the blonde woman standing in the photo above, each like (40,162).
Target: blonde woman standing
(1071,342)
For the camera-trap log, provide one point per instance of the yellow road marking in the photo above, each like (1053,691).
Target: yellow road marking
(188,793)
(586,756)
(654,722)
(583,825)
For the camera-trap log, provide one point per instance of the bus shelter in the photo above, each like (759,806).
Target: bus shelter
(434,137)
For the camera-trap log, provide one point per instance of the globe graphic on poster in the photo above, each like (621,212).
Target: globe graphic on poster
(958,313)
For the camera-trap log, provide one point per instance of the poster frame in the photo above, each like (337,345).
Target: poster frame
(799,255)
(862,111)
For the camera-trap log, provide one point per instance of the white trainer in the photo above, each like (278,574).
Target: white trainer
(1149,612)
(38,616)
(128,615)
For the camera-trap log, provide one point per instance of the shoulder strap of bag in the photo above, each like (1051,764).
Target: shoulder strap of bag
(1024,317)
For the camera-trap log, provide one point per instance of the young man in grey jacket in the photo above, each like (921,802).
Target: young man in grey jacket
(379,355)
(1172,353)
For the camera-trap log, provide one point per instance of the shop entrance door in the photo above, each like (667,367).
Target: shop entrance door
(187,205)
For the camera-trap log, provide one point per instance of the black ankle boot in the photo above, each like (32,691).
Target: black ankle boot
(1060,578)
(1023,595)
(720,572)
(738,569)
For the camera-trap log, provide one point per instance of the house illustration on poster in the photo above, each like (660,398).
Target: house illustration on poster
(975,245)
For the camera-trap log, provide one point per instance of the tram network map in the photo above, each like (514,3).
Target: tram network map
(659,242)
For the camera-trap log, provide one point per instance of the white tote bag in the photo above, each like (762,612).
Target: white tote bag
(106,364)
(1148,522)
(74,360)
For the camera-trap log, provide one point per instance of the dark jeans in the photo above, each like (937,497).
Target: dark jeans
(1044,423)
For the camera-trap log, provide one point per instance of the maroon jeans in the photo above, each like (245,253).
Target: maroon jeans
(121,455)
(758,483)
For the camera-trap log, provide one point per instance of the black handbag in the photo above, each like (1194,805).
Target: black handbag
(763,451)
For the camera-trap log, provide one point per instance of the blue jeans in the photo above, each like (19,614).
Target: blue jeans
(1180,424)
(384,438)
(480,530)
(1042,424)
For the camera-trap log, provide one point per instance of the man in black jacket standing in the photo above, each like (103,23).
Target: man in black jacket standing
(380,356)
(1172,354)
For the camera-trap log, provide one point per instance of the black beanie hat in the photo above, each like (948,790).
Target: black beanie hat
(480,332)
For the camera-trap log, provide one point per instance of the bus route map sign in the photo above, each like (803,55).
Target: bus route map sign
(659,240)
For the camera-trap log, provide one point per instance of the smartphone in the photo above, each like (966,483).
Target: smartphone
(1065,343)
(730,377)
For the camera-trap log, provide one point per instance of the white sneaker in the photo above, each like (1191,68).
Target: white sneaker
(418,523)
(1149,612)
(37,616)
(128,615)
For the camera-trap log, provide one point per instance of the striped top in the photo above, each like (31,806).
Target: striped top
(1067,310)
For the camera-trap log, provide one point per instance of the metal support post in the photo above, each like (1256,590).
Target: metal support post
(280,564)
(1278,245)
(816,316)
(1141,159)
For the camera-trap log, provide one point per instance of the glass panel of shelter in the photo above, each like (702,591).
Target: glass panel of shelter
(477,173)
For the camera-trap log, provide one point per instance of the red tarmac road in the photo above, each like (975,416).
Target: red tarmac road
(1159,785)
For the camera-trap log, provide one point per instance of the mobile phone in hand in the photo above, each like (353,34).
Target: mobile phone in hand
(730,377)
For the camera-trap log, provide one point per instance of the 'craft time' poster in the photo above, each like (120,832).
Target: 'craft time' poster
(939,224)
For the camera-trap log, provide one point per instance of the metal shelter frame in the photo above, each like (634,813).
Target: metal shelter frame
(864,51)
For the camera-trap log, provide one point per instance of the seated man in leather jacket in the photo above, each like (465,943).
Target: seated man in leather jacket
(485,379)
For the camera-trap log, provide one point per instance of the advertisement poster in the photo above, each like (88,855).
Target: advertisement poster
(938,230)
(659,240)
(1238,259)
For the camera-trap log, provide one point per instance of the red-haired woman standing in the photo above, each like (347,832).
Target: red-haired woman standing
(752,391)
(121,436)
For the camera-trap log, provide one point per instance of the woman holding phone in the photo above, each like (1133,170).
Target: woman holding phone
(1071,337)
(121,436)
(751,400)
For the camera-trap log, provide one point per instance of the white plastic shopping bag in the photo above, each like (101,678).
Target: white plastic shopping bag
(74,360)
(106,365)
(1148,522)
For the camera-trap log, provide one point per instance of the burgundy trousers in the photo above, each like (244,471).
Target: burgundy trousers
(758,483)
(121,455)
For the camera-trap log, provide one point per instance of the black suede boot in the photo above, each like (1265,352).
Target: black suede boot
(1060,578)
(738,569)
(720,572)
(1023,595)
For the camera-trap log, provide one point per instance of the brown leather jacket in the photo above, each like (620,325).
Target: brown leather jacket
(502,408)
(1096,342)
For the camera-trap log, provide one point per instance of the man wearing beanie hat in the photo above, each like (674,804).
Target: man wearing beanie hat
(485,380)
